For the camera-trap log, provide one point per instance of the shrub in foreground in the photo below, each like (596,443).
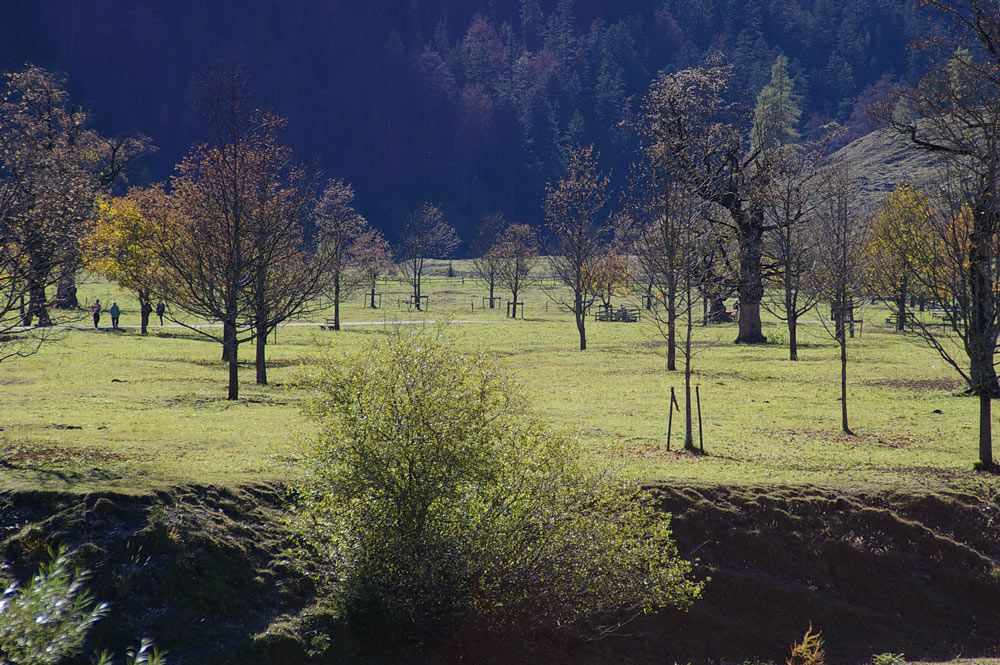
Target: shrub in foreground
(439,503)
(46,621)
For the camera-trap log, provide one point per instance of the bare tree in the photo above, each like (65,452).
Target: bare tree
(839,269)
(670,237)
(229,234)
(514,256)
(955,112)
(698,134)
(483,263)
(655,208)
(340,226)
(792,247)
(373,259)
(573,210)
(426,235)
(288,271)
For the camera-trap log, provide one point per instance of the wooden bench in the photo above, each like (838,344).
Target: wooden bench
(328,323)
(620,315)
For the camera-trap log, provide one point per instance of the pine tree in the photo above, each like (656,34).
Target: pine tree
(778,109)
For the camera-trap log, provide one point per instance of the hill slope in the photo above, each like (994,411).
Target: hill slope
(881,159)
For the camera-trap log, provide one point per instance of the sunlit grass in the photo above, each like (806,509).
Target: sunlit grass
(151,410)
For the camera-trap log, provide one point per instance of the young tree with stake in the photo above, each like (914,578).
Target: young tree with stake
(839,269)
(340,227)
(483,263)
(426,235)
(514,256)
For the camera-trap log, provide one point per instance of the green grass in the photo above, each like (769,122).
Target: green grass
(152,410)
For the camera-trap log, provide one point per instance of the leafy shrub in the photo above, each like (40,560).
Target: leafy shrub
(808,651)
(888,659)
(439,502)
(47,620)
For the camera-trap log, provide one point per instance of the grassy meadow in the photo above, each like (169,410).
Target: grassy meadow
(116,410)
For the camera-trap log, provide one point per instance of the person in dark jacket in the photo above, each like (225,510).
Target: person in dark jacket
(115,313)
(160,309)
(95,309)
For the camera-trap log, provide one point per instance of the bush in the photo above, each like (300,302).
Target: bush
(438,501)
(808,651)
(47,620)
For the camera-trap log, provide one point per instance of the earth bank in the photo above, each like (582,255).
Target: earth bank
(207,573)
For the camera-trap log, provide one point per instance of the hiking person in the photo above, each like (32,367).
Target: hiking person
(115,312)
(95,309)
(160,309)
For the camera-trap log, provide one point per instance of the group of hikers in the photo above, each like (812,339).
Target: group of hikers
(115,312)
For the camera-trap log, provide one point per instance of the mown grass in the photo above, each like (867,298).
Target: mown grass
(151,410)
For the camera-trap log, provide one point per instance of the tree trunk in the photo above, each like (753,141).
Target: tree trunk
(231,352)
(66,290)
(750,327)
(981,333)
(751,275)
(581,322)
(901,316)
(373,295)
(717,312)
(793,346)
(842,341)
(491,296)
(416,293)
(37,304)
(671,336)
(261,361)
(688,425)
(985,433)
(336,304)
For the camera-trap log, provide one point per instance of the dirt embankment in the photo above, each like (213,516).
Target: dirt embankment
(204,572)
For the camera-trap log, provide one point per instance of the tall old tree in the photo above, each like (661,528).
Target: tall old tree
(574,212)
(426,235)
(704,138)
(51,168)
(955,112)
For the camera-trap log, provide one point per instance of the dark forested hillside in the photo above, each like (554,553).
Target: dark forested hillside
(469,103)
